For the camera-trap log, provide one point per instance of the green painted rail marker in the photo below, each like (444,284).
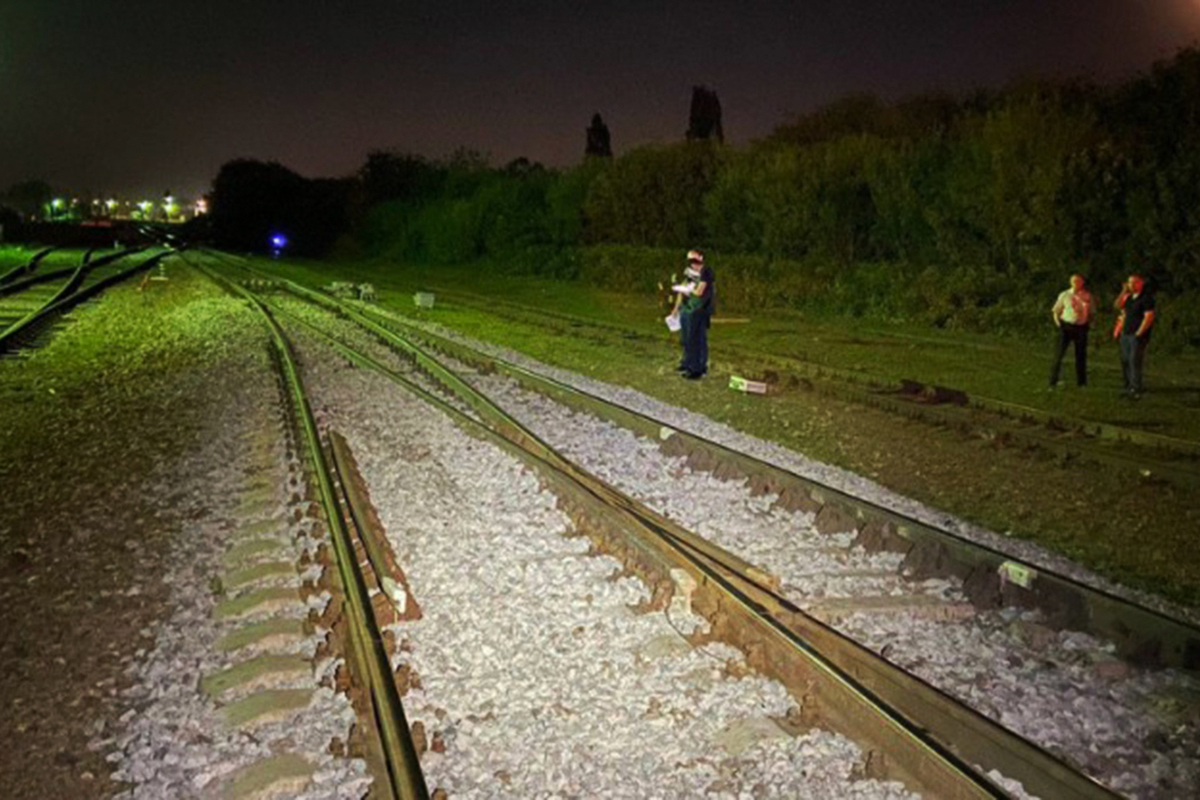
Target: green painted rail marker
(1019,574)
(741,384)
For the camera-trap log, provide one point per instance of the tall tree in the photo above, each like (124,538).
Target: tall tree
(598,141)
(252,201)
(704,121)
(29,197)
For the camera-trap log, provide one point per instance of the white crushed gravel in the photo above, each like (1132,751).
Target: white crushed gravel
(1064,690)
(173,742)
(834,477)
(533,672)
(300,314)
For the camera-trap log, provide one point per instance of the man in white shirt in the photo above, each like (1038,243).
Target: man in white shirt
(1072,313)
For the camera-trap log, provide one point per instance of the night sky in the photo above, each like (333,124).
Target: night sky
(135,97)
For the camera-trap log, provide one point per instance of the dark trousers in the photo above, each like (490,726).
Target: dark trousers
(1069,333)
(1133,359)
(685,324)
(695,342)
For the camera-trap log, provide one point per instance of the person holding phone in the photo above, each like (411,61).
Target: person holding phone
(1132,331)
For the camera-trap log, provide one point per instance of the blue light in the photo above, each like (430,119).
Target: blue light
(279,241)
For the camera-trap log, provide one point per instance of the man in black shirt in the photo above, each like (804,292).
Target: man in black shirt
(1132,331)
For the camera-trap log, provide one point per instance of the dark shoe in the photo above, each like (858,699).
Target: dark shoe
(691,376)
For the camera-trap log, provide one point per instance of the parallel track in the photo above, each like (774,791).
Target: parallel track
(393,757)
(919,732)
(23,270)
(1164,455)
(1141,634)
(30,307)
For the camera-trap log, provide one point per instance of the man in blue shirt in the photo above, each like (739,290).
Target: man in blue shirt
(1136,307)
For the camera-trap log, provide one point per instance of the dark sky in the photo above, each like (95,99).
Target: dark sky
(135,97)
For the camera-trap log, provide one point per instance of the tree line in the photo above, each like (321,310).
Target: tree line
(962,212)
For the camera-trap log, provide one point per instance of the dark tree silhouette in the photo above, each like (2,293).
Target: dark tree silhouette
(704,121)
(398,176)
(10,220)
(598,141)
(29,198)
(252,200)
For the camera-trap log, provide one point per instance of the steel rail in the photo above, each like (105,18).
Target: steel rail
(84,269)
(403,775)
(70,295)
(871,383)
(27,267)
(33,280)
(1142,635)
(499,419)
(370,534)
(859,673)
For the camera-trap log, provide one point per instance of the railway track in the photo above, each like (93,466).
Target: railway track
(1172,457)
(840,522)
(32,305)
(22,270)
(270,679)
(935,767)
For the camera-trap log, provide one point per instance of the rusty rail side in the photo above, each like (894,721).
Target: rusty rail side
(1142,635)
(750,617)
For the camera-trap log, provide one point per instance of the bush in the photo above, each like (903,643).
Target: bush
(964,214)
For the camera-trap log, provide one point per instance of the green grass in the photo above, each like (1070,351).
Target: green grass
(109,365)
(14,256)
(1134,529)
(1001,368)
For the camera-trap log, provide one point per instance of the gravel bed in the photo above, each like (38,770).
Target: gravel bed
(352,335)
(173,741)
(534,677)
(1064,690)
(834,477)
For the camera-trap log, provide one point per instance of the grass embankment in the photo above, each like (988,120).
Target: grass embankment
(1136,530)
(101,371)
